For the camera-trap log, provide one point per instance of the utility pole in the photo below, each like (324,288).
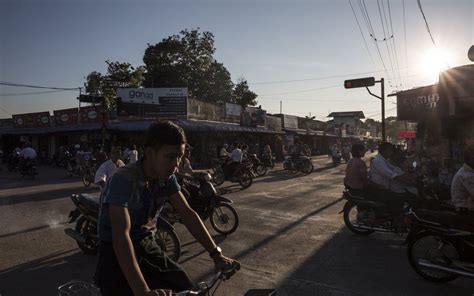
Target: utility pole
(281,107)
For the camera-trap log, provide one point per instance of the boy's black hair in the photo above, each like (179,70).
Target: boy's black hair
(164,133)
(357,150)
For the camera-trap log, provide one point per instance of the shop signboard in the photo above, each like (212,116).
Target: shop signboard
(92,114)
(273,123)
(253,117)
(65,117)
(406,134)
(164,103)
(419,102)
(31,120)
(290,121)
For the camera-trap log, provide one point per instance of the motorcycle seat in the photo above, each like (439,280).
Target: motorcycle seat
(89,200)
(448,218)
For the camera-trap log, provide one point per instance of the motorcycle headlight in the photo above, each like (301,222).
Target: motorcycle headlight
(207,177)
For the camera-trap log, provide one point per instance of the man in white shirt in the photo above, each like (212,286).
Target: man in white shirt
(462,187)
(386,182)
(236,154)
(28,152)
(108,168)
(133,156)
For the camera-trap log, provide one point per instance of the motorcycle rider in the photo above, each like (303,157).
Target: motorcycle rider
(236,157)
(382,175)
(27,156)
(267,154)
(462,186)
(130,261)
(356,171)
(224,154)
(108,168)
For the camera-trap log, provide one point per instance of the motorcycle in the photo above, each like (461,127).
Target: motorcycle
(257,166)
(86,215)
(346,156)
(336,159)
(88,175)
(28,168)
(13,161)
(268,161)
(204,200)
(441,244)
(303,164)
(242,175)
(363,215)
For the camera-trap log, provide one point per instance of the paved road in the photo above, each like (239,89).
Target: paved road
(290,237)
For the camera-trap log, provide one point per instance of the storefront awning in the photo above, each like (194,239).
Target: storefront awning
(192,125)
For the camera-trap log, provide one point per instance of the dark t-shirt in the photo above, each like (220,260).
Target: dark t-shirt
(129,188)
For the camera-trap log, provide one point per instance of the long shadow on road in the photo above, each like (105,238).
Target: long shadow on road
(375,265)
(44,195)
(42,276)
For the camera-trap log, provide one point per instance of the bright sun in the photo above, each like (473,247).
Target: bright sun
(433,62)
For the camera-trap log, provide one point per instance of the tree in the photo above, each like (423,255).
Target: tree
(242,95)
(118,75)
(187,60)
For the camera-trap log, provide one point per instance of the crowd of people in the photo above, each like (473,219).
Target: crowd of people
(392,172)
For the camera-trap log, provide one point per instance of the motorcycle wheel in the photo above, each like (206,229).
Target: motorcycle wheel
(350,219)
(224,219)
(87,229)
(218,177)
(286,165)
(245,179)
(87,178)
(261,169)
(169,242)
(308,168)
(434,249)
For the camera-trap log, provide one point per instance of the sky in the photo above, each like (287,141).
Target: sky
(269,43)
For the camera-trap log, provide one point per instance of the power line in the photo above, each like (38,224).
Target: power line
(303,91)
(31,93)
(426,23)
(393,41)
(361,32)
(37,86)
(405,33)
(386,40)
(314,79)
(5,111)
(370,28)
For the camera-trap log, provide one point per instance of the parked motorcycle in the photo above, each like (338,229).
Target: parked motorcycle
(441,244)
(86,215)
(204,200)
(363,215)
(302,164)
(242,175)
(28,168)
(13,161)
